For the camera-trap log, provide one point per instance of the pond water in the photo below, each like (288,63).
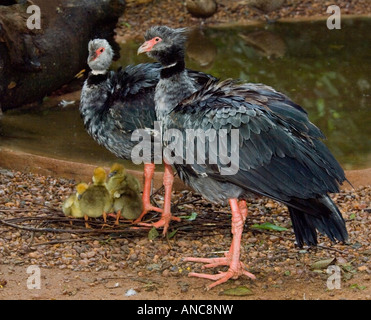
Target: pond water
(325,71)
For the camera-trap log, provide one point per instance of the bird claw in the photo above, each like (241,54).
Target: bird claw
(145,211)
(222,276)
(232,273)
(163,222)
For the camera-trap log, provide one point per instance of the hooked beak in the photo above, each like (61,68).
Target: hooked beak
(146,46)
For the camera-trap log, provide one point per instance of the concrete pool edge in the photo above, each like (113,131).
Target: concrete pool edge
(31,163)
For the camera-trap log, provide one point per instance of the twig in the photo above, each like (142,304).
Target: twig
(61,241)
(56,230)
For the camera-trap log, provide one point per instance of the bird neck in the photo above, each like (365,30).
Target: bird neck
(172,69)
(98,72)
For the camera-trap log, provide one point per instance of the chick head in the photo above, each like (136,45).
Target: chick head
(99,176)
(117,169)
(81,188)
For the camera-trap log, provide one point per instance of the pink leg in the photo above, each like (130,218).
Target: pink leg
(166,216)
(149,169)
(232,258)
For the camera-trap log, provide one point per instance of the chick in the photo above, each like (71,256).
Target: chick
(96,200)
(125,191)
(71,206)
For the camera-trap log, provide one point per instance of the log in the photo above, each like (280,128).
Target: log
(35,62)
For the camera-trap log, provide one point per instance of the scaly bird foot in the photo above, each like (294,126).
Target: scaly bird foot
(223,276)
(145,211)
(163,222)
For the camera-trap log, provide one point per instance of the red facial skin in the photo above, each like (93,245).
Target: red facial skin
(98,52)
(148,45)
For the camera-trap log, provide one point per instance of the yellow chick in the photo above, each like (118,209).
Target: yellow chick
(125,191)
(96,200)
(71,206)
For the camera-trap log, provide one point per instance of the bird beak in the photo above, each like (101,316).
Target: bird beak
(146,46)
(79,196)
(95,56)
(113,173)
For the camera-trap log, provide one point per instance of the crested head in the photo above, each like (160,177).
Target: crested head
(100,55)
(81,188)
(99,176)
(165,44)
(116,169)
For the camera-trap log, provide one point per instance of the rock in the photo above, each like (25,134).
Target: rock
(201,8)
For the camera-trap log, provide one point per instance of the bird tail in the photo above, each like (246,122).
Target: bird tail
(321,214)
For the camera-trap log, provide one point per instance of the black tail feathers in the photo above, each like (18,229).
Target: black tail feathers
(320,214)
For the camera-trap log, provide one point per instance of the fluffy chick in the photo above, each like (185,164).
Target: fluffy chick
(125,191)
(71,206)
(96,200)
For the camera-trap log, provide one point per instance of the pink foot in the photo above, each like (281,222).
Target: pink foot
(163,222)
(223,276)
(232,273)
(231,259)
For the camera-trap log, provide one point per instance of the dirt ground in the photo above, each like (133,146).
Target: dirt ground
(131,264)
(73,262)
(59,284)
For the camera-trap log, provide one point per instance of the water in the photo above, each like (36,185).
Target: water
(325,71)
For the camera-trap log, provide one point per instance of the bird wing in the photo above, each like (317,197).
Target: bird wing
(131,100)
(280,154)
(131,103)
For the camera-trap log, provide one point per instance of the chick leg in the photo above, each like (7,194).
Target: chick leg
(166,216)
(86,218)
(232,258)
(118,215)
(149,169)
(104,219)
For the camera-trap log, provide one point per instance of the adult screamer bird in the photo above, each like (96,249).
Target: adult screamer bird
(279,150)
(114,104)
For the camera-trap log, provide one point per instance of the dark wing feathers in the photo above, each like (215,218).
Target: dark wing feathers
(280,155)
(131,102)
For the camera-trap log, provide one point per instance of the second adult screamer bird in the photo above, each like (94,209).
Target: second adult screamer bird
(280,151)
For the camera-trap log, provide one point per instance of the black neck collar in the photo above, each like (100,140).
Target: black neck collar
(167,72)
(95,79)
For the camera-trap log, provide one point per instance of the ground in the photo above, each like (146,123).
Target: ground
(76,263)
(105,263)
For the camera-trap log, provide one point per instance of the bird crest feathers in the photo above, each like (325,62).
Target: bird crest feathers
(178,35)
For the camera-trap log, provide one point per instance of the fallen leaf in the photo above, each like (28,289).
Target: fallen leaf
(321,264)
(172,234)
(239,291)
(12,85)
(192,217)
(153,234)
(268,226)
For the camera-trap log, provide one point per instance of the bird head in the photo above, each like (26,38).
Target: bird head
(117,169)
(164,44)
(100,55)
(99,176)
(80,189)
